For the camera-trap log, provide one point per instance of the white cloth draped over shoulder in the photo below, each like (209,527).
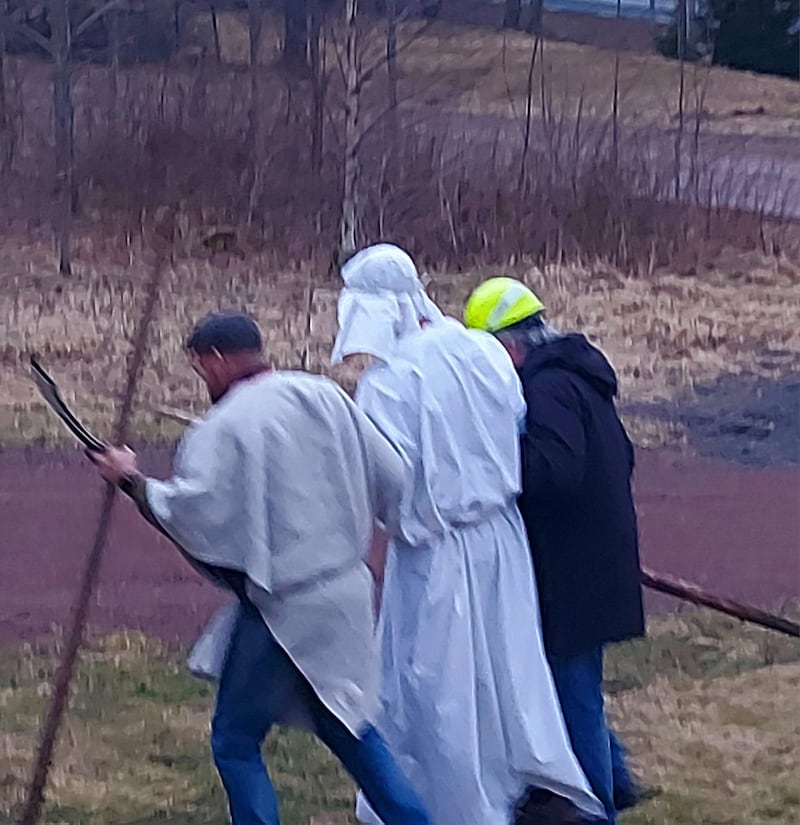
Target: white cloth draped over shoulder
(283,481)
(468,704)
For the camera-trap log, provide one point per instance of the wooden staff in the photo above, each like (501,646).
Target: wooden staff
(692,593)
(174,415)
(58,703)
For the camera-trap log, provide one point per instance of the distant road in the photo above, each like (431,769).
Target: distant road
(658,10)
(759,173)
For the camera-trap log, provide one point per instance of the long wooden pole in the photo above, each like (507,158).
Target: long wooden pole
(58,703)
(690,592)
(679,588)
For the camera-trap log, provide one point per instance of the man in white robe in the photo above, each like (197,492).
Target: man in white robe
(468,702)
(275,496)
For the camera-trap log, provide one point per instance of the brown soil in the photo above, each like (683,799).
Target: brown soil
(732,529)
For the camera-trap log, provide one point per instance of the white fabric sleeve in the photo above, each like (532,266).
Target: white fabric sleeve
(204,506)
(395,416)
(390,477)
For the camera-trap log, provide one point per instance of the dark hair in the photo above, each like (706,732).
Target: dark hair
(226,332)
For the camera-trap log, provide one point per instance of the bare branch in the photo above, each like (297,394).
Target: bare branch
(509,93)
(337,50)
(93,18)
(364,133)
(34,36)
(367,74)
(528,113)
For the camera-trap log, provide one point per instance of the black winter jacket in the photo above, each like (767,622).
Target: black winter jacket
(576,499)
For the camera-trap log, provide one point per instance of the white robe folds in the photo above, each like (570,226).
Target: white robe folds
(468,704)
(283,481)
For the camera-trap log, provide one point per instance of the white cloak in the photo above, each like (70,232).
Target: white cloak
(283,481)
(468,703)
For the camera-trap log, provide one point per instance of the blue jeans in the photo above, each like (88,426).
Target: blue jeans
(579,684)
(258,683)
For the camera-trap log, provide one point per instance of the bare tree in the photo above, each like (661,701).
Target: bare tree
(319,81)
(512,13)
(536,19)
(6,126)
(255,16)
(59,47)
(391,51)
(113,75)
(615,100)
(682,21)
(295,40)
(255,21)
(63,125)
(526,137)
(215,31)
(700,87)
(356,76)
(347,242)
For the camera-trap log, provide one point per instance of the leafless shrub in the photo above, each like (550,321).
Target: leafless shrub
(450,188)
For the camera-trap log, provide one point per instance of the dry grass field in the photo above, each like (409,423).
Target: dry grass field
(665,334)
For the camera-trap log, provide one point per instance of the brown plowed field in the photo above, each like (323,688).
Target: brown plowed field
(733,529)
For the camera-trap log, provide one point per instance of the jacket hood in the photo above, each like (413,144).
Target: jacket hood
(574,354)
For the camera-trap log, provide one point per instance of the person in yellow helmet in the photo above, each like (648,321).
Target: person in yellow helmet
(500,303)
(578,509)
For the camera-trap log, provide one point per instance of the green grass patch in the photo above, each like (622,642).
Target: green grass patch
(709,708)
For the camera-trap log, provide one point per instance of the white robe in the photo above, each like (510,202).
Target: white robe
(283,481)
(468,704)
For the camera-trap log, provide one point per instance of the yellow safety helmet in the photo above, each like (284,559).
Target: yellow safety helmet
(500,303)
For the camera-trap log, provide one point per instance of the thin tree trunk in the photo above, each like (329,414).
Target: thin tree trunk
(536,19)
(526,143)
(6,136)
(511,14)
(316,56)
(699,109)
(615,103)
(681,95)
(114,36)
(347,244)
(63,130)
(684,43)
(391,52)
(295,40)
(215,30)
(176,22)
(255,23)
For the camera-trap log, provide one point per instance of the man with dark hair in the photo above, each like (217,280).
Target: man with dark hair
(578,508)
(275,497)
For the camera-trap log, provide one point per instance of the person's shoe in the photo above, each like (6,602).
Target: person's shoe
(540,807)
(624,800)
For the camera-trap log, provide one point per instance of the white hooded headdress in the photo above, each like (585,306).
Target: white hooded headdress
(383,300)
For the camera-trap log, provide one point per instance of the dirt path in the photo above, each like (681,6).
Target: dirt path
(733,529)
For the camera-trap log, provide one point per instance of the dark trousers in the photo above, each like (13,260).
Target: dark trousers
(258,683)
(579,684)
